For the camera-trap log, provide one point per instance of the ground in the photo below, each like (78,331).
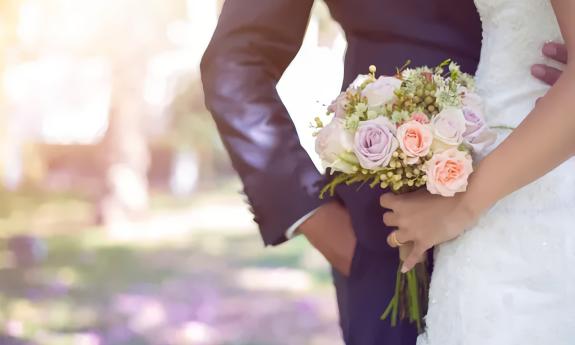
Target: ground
(191,272)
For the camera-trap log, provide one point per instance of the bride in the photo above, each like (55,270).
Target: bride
(505,261)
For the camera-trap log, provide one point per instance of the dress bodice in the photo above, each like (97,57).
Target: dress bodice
(514,32)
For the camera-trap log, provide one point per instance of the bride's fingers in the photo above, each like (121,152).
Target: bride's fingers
(398,238)
(388,200)
(413,258)
(391,219)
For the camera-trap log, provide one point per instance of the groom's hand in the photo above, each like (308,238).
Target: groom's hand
(548,74)
(330,231)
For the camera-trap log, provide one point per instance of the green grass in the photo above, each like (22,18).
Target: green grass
(152,293)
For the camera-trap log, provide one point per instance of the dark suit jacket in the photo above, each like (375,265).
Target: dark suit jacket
(253,44)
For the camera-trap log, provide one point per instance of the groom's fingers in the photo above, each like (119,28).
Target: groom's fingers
(556,51)
(545,73)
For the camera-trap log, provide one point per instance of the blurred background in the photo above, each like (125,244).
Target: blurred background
(121,220)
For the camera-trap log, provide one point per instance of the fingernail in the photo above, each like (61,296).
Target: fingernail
(549,49)
(404,269)
(538,71)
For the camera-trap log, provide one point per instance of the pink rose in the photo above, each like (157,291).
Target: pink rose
(420,117)
(338,105)
(375,142)
(448,172)
(381,91)
(414,140)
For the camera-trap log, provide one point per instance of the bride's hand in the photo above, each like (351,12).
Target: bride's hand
(425,220)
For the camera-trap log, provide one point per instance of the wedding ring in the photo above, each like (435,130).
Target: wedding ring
(394,241)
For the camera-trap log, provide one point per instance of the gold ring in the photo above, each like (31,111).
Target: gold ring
(395,241)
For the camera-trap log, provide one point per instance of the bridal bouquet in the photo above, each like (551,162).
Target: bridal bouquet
(420,127)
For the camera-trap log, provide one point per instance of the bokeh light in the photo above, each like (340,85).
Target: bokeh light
(121,220)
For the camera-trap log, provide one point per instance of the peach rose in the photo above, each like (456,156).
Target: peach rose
(448,172)
(420,117)
(414,140)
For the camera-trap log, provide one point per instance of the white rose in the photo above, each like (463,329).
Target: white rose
(331,143)
(359,80)
(381,91)
(448,127)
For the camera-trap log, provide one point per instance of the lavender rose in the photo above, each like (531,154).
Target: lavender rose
(474,123)
(331,143)
(381,91)
(477,134)
(481,141)
(375,143)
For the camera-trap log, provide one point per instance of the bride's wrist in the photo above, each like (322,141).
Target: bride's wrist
(469,206)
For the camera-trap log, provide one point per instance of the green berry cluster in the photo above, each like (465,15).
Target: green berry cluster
(401,176)
(419,97)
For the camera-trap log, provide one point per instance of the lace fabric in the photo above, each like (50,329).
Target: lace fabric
(510,279)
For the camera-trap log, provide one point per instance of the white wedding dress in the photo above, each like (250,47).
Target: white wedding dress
(511,279)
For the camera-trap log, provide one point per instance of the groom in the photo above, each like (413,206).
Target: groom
(253,44)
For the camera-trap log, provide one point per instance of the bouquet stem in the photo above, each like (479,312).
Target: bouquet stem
(410,298)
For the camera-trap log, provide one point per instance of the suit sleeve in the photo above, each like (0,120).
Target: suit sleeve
(252,46)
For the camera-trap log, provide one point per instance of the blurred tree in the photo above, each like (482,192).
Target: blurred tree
(8,43)
(138,28)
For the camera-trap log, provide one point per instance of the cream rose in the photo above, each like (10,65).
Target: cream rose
(448,127)
(414,140)
(381,91)
(448,172)
(331,143)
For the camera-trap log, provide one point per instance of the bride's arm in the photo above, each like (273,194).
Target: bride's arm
(544,140)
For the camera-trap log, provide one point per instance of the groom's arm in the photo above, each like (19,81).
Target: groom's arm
(252,46)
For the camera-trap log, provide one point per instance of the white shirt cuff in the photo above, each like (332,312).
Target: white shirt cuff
(292,229)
